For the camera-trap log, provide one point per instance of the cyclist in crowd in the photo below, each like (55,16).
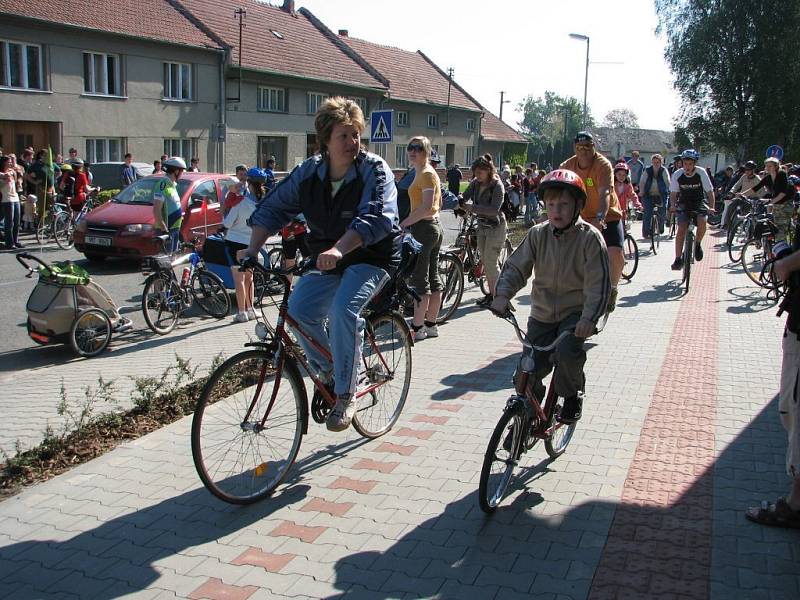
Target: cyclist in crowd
(743,188)
(349,199)
(677,163)
(688,190)
(636,165)
(75,185)
(571,287)
(654,189)
(167,211)
(237,238)
(601,208)
(425,196)
(623,188)
(236,191)
(454,178)
(484,198)
(776,182)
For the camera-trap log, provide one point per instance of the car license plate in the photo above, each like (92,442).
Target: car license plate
(98,241)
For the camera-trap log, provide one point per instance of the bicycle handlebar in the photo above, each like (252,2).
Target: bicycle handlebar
(509,316)
(21,256)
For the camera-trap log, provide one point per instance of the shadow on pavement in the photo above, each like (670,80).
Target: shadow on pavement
(749,299)
(663,292)
(490,378)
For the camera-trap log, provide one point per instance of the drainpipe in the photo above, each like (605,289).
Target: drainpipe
(223,110)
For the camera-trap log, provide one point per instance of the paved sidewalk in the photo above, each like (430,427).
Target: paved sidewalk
(680,435)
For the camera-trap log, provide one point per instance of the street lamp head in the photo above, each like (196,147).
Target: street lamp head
(578,36)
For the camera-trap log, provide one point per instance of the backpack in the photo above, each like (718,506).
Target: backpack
(69,184)
(508,209)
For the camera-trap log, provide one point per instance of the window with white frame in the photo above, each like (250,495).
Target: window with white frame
(402,118)
(362,103)
(271,99)
(470,124)
(178,81)
(433,121)
(103,149)
(381,150)
(313,101)
(101,74)
(400,157)
(469,155)
(183,147)
(21,65)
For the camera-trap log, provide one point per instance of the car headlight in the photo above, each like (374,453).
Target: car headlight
(137,228)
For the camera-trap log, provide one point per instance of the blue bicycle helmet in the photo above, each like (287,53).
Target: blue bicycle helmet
(691,154)
(256,174)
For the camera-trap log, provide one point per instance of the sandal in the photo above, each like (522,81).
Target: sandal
(774,515)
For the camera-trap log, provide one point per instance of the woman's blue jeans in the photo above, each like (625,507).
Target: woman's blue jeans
(11,223)
(339,298)
(649,202)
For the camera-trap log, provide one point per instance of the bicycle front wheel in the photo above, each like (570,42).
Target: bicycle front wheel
(501,457)
(655,236)
(161,303)
(688,258)
(210,294)
(631,251)
(561,434)
(452,275)
(243,441)
(62,230)
(386,360)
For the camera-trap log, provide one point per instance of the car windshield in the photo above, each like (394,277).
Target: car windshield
(141,191)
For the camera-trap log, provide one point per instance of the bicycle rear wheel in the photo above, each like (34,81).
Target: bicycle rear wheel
(501,457)
(161,303)
(62,230)
(655,236)
(754,259)
(386,360)
(210,294)
(452,275)
(239,460)
(631,251)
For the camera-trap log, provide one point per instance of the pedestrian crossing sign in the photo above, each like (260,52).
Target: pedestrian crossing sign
(381,126)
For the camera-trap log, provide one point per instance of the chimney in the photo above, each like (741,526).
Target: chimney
(288,6)
(344,33)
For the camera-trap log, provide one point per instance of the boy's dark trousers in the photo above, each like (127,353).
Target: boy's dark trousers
(569,354)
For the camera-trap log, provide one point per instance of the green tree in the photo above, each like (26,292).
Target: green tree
(732,61)
(551,118)
(620,118)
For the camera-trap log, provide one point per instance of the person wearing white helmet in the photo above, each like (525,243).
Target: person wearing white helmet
(690,191)
(167,212)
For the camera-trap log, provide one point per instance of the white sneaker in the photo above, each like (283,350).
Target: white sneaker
(251,314)
(420,334)
(342,414)
(240,318)
(432,331)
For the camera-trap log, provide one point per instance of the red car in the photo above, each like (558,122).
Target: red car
(123,227)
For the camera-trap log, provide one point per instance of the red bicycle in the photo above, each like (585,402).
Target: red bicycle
(253,411)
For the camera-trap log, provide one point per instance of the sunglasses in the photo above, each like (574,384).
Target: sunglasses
(415,148)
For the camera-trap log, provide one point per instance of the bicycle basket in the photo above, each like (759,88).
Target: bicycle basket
(161,262)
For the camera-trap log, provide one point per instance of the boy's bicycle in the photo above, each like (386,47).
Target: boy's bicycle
(526,419)
(253,411)
(165,298)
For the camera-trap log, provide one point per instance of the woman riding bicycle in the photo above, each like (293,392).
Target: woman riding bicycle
(349,200)
(570,290)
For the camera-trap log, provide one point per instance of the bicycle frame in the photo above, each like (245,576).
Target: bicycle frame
(283,344)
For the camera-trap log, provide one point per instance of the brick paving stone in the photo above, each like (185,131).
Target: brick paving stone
(367,464)
(256,557)
(355,485)
(214,589)
(290,529)
(338,509)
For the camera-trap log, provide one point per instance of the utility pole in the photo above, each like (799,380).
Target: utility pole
(584,38)
(240,14)
(449,85)
(501,104)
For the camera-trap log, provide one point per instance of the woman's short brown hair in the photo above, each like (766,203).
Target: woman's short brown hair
(485,162)
(424,142)
(336,111)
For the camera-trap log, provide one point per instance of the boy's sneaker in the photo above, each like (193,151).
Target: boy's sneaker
(420,334)
(677,265)
(572,409)
(698,251)
(342,414)
(432,331)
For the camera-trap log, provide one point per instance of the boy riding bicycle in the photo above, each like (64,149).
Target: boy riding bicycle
(571,285)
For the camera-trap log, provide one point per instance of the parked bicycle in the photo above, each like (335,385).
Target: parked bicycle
(45,230)
(65,221)
(253,411)
(165,298)
(526,419)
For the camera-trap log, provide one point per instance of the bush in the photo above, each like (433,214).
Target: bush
(106,195)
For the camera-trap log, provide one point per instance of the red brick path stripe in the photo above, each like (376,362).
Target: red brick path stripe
(336,509)
(355,485)
(367,464)
(396,449)
(214,589)
(659,544)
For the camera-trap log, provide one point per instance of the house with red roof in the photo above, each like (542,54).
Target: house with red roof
(228,81)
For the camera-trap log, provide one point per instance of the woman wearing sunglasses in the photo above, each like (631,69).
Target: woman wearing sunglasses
(425,196)
(349,200)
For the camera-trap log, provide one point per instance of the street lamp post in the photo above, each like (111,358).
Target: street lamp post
(578,36)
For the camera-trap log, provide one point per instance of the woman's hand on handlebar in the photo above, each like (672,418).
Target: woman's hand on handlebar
(584,329)
(326,261)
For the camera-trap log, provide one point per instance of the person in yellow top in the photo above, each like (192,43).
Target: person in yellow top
(425,195)
(602,207)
